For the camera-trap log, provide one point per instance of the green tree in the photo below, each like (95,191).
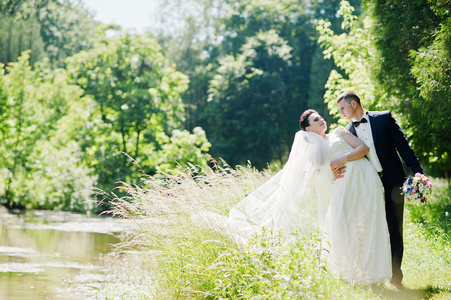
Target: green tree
(19,122)
(222,28)
(137,95)
(189,32)
(400,27)
(37,170)
(248,96)
(49,28)
(356,58)
(9,7)
(18,35)
(293,22)
(432,71)
(413,39)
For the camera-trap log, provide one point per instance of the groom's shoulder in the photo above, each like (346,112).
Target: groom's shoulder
(381,113)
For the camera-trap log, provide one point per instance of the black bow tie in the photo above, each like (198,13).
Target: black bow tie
(357,123)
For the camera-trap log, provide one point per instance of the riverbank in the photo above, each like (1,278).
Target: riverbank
(177,260)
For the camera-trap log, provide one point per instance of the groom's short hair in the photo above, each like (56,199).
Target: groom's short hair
(349,96)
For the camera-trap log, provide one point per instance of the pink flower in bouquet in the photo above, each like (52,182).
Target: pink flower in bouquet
(417,188)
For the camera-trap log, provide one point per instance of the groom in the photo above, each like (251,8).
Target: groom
(384,137)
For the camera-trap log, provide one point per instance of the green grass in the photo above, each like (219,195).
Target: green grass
(427,263)
(177,259)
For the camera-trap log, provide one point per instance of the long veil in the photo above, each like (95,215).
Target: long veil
(295,199)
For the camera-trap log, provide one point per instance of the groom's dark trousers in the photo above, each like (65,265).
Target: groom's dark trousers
(389,141)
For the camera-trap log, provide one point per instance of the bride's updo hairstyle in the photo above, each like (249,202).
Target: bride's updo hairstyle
(303,121)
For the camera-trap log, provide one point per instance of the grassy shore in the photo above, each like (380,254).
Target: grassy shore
(174,258)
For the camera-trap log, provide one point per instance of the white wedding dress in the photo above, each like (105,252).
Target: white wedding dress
(358,248)
(302,198)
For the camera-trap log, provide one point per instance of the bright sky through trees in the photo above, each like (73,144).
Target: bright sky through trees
(130,14)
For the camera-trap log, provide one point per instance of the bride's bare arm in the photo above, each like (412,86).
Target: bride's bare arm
(360,150)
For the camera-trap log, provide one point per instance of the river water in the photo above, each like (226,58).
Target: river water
(54,255)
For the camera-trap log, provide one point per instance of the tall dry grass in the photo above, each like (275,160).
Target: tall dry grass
(183,260)
(174,258)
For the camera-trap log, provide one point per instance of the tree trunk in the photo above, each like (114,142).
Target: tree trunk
(137,144)
(9,43)
(124,144)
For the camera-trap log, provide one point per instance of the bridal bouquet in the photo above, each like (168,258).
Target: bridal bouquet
(417,188)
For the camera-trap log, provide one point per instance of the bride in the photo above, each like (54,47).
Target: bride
(355,225)
(303,197)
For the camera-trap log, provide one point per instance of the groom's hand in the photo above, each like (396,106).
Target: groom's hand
(338,172)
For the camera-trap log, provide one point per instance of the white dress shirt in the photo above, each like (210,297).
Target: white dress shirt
(364,133)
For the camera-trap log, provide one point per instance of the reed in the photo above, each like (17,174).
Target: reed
(178,259)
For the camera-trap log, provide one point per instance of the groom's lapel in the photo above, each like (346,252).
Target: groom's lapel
(352,128)
(373,124)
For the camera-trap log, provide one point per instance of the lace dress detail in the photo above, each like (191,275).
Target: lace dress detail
(358,244)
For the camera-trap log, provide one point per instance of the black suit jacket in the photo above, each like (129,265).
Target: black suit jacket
(389,140)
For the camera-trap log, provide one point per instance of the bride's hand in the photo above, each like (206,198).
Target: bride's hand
(338,167)
(338,163)
(339,173)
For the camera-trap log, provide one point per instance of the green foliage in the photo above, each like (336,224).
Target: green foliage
(355,56)
(205,47)
(60,180)
(137,96)
(61,175)
(293,20)
(58,144)
(248,97)
(37,171)
(17,35)
(182,149)
(401,26)
(133,83)
(427,237)
(188,32)
(262,79)
(49,28)
(9,7)
(19,121)
(435,215)
(265,270)
(372,60)
(66,28)
(432,71)
(413,39)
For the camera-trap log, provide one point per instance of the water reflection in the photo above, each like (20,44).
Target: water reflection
(53,255)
